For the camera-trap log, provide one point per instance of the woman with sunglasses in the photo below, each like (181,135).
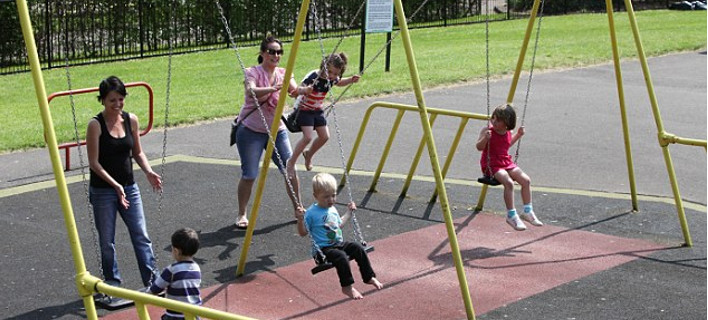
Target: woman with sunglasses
(263,83)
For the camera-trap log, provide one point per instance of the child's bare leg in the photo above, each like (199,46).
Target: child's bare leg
(352,293)
(503,177)
(524,181)
(320,140)
(299,148)
(374,282)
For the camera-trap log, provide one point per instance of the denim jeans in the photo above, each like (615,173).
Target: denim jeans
(105,206)
(250,149)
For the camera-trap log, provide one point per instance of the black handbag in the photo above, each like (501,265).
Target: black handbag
(291,121)
(234,128)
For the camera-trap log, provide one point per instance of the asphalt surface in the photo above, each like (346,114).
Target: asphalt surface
(573,151)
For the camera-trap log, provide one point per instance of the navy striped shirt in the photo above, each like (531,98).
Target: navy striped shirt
(180,281)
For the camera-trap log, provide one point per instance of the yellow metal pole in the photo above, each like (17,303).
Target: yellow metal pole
(522,53)
(144,299)
(142,310)
(482,196)
(451,153)
(273,133)
(416,159)
(357,143)
(425,123)
(52,147)
(623,109)
(666,138)
(659,124)
(387,149)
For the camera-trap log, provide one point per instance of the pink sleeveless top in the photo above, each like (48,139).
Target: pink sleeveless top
(261,78)
(499,157)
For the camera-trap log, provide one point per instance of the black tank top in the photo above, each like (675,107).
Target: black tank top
(114,154)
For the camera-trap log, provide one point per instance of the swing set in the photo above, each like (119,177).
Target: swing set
(87,284)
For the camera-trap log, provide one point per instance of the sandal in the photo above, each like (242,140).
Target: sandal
(308,160)
(242,223)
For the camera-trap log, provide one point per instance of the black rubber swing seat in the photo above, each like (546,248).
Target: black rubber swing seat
(326,265)
(489,180)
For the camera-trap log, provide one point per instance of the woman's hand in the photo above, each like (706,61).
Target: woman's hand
(122,199)
(300,213)
(155,181)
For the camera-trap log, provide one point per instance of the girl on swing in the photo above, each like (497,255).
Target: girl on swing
(494,141)
(310,113)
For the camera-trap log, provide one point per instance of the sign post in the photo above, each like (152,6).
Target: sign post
(378,18)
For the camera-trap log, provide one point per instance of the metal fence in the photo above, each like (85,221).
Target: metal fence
(93,31)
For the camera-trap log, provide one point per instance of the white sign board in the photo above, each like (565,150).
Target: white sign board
(379,16)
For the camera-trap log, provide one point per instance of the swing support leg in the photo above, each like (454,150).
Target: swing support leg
(53,148)
(262,176)
(482,196)
(432,152)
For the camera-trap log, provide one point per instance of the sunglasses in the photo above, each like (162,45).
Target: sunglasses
(274,52)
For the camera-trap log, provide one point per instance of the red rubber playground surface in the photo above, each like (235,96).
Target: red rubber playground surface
(416,267)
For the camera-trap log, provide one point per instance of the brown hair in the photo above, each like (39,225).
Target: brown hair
(186,240)
(264,45)
(109,84)
(337,60)
(506,114)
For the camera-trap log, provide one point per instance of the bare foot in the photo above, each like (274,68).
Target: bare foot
(352,293)
(308,159)
(374,282)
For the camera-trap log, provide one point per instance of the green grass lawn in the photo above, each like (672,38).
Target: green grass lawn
(208,85)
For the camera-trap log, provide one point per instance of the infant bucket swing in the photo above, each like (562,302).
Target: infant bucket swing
(488,177)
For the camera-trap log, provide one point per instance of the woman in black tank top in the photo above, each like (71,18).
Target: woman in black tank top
(112,141)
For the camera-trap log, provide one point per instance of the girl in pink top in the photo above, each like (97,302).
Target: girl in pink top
(494,141)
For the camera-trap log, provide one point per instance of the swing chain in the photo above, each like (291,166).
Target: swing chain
(166,124)
(89,209)
(488,171)
(357,231)
(531,68)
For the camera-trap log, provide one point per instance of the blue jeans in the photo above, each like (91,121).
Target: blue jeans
(105,206)
(250,149)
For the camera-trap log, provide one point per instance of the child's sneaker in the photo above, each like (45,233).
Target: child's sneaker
(516,223)
(530,217)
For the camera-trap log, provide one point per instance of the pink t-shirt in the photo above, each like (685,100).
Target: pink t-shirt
(499,157)
(268,103)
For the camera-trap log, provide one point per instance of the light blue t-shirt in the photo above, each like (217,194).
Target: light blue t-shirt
(323,224)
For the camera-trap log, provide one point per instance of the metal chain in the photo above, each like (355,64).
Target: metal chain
(325,59)
(489,118)
(357,230)
(528,83)
(89,209)
(291,189)
(166,124)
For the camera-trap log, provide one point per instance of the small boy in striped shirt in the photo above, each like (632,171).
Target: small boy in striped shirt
(181,280)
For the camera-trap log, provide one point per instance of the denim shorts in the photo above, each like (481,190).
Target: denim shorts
(251,145)
(311,118)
